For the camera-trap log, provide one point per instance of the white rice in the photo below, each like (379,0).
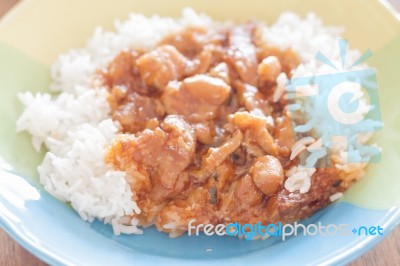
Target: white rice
(281,81)
(315,146)
(300,146)
(76,128)
(336,196)
(299,179)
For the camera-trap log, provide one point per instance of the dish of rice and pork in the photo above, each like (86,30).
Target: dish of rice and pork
(168,120)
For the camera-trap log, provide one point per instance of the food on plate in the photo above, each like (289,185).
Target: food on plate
(169,120)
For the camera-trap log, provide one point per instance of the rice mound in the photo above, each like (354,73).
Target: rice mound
(76,128)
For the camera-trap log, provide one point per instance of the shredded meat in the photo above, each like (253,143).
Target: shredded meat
(203,138)
(216,156)
(258,131)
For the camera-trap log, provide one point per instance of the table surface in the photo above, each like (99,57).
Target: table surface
(12,254)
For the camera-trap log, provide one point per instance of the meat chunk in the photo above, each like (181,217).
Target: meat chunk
(242,53)
(191,41)
(201,203)
(288,59)
(206,88)
(267,174)
(284,134)
(268,70)
(247,195)
(137,113)
(123,73)
(164,152)
(201,63)
(161,66)
(251,98)
(196,98)
(204,132)
(176,215)
(206,59)
(294,206)
(221,71)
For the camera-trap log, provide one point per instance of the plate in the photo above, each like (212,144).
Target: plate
(36,31)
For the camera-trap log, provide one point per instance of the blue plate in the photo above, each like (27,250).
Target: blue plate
(37,31)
